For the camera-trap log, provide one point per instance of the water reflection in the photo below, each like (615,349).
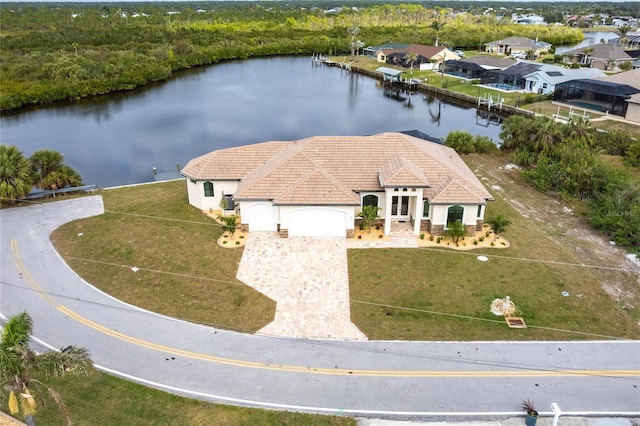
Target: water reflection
(119,138)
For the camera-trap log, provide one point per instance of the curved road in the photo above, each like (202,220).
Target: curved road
(381,379)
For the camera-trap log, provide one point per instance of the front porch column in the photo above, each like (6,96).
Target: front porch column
(419,211)
(387,212)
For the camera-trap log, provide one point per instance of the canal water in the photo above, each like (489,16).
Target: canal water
(590,38)
(118,139)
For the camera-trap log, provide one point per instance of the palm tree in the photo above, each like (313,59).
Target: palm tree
(16,174)
(19,365)
(586,52)
(353,32)
(51,173)
(437,26)
(499,224)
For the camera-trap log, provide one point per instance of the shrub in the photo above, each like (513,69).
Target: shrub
(422,235)
(461,141)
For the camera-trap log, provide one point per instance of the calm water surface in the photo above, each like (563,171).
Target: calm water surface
(118,139)
(590,38)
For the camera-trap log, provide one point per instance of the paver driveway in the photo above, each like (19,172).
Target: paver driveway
(309,280)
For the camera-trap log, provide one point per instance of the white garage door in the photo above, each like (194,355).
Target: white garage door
(317,222)
(263,217)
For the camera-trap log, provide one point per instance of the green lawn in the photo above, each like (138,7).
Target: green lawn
(105,400)
(431,294)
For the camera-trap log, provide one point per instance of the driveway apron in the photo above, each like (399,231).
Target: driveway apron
(308,279)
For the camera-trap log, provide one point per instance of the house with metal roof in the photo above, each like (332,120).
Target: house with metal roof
(318,186)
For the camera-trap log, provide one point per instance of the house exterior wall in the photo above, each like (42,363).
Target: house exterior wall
(633,112)
(195,192)
(470,218)
(535,84)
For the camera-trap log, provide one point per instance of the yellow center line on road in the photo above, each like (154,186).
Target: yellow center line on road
(303,369)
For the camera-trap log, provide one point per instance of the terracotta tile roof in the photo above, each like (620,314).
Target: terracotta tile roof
(306,191)
(332,169)
(399,171)
(231,163)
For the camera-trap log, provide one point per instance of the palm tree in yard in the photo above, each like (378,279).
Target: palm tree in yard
(499,224)
(20,365)
(16,173)
(51,172)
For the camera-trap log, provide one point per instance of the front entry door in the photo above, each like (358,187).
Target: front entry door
(400,207)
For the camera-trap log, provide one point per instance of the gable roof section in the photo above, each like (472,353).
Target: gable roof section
(320,188)
(454,192)
(399,171)
(331,170)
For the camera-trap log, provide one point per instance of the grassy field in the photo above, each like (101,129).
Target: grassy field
(104,400)
(183,272)
(446,295)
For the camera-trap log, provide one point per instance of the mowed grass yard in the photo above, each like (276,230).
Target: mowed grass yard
(182,272)
(428,294)
(441,294)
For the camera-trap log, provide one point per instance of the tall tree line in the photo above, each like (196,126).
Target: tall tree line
(70,51)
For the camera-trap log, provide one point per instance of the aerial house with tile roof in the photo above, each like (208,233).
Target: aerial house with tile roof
(318,185)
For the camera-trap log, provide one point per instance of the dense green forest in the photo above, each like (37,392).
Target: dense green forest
(52,52)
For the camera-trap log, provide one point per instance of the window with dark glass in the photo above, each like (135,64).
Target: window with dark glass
(454,214)
(425,212)
(208,189)
(370,200)
(480,210)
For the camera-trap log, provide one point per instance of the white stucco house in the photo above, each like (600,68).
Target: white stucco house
(544,79)
(317,186)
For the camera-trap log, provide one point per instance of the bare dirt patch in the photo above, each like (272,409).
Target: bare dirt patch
(619,275)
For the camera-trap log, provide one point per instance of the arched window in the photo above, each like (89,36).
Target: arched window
(208,189)
(454,214)
(370,200)
(426,207)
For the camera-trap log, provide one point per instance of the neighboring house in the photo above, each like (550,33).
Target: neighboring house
(633,108)
(545,79)
(607,57)
(464,69)
(318,186)
(511,45)
(512,78)
(608,95)
(492,62)
(425,54)
(629,78)
(373,51)
(528,20)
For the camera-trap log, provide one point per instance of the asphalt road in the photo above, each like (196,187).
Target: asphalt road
(391,379)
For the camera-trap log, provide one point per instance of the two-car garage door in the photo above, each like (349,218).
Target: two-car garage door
(317,222)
